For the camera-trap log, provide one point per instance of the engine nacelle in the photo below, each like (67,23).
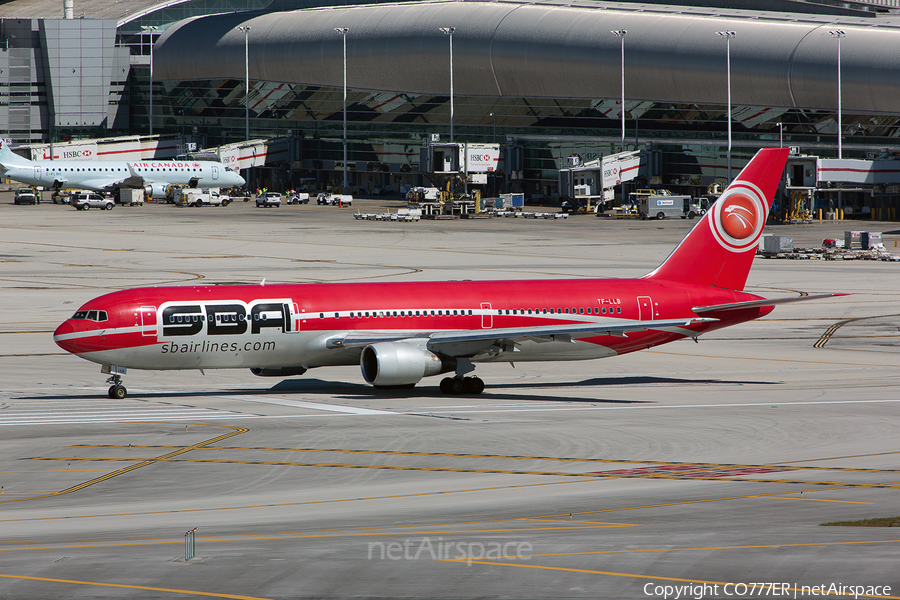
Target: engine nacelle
(278,371)
(156,190)
(395,363)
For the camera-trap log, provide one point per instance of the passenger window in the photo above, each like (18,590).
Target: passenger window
(335,315)
(618,309)
(581,310)
(321,315)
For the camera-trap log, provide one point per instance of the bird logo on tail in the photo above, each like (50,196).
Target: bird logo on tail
(738,217)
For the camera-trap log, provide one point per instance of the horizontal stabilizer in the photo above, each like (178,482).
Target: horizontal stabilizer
(759,303)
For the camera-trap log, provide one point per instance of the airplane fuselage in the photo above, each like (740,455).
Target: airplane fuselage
(97,175)
(288,326)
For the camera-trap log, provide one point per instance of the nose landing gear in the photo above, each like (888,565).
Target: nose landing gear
(116,391)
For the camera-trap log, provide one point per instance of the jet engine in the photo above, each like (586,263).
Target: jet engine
(389,364)
(156,190)
(278,371)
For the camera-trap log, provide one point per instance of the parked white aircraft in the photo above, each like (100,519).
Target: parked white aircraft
(108,175)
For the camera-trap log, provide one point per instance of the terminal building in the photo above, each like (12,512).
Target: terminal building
(543,80)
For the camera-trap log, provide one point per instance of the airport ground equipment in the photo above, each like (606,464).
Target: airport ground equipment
(130,196)
(298,198)
(334,199)
(659,204)
(201,197)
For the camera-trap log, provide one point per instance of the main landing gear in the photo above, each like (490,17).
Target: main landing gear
(462,385)
(116,391)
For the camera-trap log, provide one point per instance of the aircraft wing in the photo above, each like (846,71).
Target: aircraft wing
(760,303)
(100,185)
(476,340)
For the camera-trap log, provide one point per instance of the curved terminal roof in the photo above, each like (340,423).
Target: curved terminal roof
(552,50)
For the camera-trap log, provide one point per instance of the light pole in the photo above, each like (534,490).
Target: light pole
(838,34)
(149,29)
(728,35)
(449,31)
(781,135)
(494,136)
(246,30)
(620,33)
(344,31)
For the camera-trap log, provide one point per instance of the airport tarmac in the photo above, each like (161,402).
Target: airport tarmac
(709,465)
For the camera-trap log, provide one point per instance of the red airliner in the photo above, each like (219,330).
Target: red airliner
(401,332)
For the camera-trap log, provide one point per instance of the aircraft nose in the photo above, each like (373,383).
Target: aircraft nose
(64,336)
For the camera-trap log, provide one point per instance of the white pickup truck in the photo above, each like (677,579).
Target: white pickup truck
(335,199)
(201,197)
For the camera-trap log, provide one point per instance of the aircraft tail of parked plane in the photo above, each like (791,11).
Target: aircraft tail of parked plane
(400,333)
(719,250)
(107,175)
(9,158)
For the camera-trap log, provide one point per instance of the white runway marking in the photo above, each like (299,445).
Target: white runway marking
(350,410)
(488,408)
(56,412)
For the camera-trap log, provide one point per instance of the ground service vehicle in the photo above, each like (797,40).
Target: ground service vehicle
(201,197)
(89,200)
(298,198)
(267,199)
(334,199)
(659,204)
(401,332)
(25,196)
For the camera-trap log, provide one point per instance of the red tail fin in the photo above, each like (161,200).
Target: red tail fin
(719,249)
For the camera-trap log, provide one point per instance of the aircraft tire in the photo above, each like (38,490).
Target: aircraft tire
(117,392)
(473,385)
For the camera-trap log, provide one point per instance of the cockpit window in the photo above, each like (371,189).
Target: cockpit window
(91,315)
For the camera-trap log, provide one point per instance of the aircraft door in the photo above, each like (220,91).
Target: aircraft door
(645,308)
(295,318)
(215,172)
(37,172)
(148,320)
(487,317)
